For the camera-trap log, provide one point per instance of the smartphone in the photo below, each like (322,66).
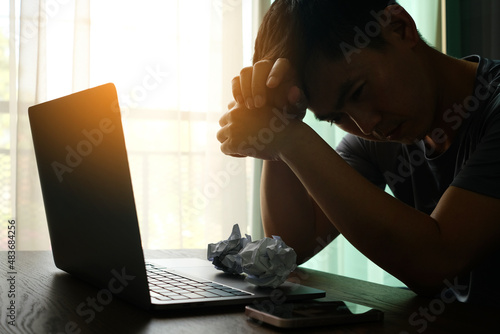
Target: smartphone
(312,313)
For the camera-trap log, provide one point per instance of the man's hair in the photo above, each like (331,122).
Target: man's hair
(301,29)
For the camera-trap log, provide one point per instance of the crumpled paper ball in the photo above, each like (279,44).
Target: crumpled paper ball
(224,254)
(268,262)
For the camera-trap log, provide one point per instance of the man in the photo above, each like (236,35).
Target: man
(425,124)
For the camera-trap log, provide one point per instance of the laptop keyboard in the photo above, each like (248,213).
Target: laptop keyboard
(166,286)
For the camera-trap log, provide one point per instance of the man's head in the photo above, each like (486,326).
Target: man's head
(355,62)
(301,29)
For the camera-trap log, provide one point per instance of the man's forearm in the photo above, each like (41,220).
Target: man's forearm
(383,228)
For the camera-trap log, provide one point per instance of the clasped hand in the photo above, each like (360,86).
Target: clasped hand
(268,103)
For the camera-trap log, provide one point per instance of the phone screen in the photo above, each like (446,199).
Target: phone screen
(314,313)
(318,309)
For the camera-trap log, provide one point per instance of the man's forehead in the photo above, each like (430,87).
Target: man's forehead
(328,81)
(320,65)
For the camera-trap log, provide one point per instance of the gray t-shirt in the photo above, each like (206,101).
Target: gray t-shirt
(472,162)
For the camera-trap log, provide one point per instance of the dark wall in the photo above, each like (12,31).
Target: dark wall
(473,27)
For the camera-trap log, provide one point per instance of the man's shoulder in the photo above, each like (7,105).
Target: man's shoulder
(482,108)
(488,74)
(352,145)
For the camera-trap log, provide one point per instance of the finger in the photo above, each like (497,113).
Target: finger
(221,135)
(225,146)
(246,86)
(236,88)
(261,70)
(297,98)
(223,120)
(297,102)
(278,72)
(231,105)
(224,149)
(280,96)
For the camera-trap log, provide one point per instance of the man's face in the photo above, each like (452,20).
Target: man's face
(383,95)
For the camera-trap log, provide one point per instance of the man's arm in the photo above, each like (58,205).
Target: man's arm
(289,211)
(421,250)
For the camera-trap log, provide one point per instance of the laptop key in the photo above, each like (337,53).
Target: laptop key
(207,294)
(170,294)
(169,285)
(220,293)
(159,297)
(178,297)
(193,296)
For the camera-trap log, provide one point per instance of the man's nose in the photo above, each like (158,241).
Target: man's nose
(366,119)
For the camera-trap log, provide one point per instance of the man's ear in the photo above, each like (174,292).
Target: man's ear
(401,26)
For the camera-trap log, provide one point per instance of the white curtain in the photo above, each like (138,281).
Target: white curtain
(172,62)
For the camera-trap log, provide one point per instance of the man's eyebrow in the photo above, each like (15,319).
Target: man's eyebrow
(344,89)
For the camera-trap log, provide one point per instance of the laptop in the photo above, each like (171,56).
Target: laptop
(93,226)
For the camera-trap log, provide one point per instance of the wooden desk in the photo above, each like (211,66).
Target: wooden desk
(47,300)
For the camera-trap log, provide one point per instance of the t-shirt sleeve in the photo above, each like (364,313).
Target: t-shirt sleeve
(481,172)
(359,154)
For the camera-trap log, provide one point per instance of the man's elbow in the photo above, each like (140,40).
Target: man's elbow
(437,286)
